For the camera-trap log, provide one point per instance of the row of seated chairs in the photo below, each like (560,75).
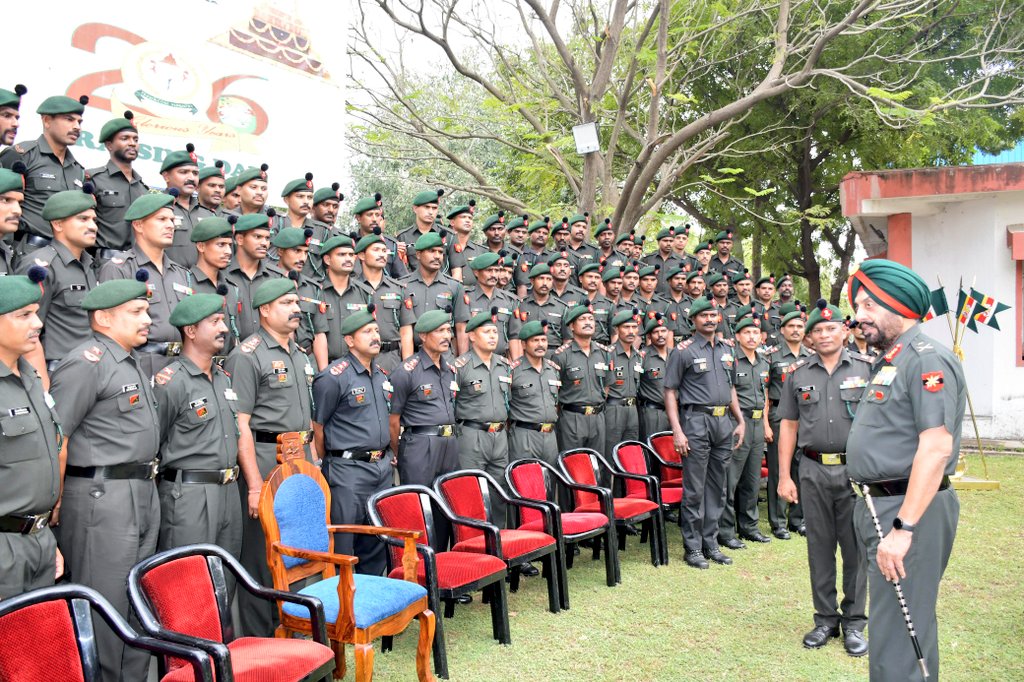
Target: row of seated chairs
(194,637)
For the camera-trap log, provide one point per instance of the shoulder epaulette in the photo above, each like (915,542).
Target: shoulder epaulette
(921,346)
(24,147)
(728,342)
(93,171)
(93,353)
(554,365)
(411,363)
(796,365)
(502,360)
(462,361)
(683,345)
(515,363)
(564,347)
(863,357)
(339,368)
(164,375)
(771,349)
(605,348)
(250,344)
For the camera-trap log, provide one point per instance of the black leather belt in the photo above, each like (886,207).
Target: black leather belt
(388,346)
(443,430)
(36,240)
(543,427)
(26,524)
(142,472)
(357,455)
(584,409)
(271,436)
(622,402)
(894,487)
(650,404)
(489,427)
(713,410)
(217,476)
(170,349)
(827,458)
(753,414)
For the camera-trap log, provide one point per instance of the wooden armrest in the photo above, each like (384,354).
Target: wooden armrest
(311,555)
(374,530)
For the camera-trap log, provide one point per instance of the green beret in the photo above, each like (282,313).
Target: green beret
(742,277)
(358,320)
(508,261)
(533,328)
(666,233)
(336,243)
(675,269)
(639,239)
(560,227)
(292,237)
(431,320)
(214,171)
(624,237)
(823,312)
(366,241)
(196,308)
(588,267)
(18,291)
(764,279)
(798,314)
(559,255)
(116,125)
(12,98)
(115,292)
(325,193)
(481,319)
(624,316)
(459,210)
(539,269)
(611,273)
(606,226)
(67,203)
(299,185)
(579,218)
(252,174)
(211,227)
(713,278)
(271,290)
(785,278)
(723,236)
(180,158)
(700,305)
(652,323)
(693,275)
(484,260)
(12,181)
(790,307)
(748,321)
(518,221)
(538,224)
(744,311)
(649,271)
(61,104)
(367,204)
(230,184)
(430,240)
(147,205)
(574,313)
(894,286)
(253,221)
(430,196)
(703,246)
(494,219)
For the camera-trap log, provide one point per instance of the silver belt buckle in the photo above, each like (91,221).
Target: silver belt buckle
(154,469)
(39,522)
(229,475)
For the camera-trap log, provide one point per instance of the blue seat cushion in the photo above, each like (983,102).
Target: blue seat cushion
(376,598)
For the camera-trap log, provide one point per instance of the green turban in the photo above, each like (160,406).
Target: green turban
(895,287)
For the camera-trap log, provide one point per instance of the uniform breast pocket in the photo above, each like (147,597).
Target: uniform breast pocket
(442,300)
(877,395)
(700,365)
(42,184)
(851,395)
(72,298)
(391,305)
(279,379)
(131,406)
(13,426)
(198,416)
(359,400)
(111,199)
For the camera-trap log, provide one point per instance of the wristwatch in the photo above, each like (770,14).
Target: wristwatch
(900,524)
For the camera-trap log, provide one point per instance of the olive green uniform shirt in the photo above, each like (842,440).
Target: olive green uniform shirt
(114,194)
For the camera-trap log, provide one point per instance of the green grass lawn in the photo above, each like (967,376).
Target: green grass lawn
(741,622)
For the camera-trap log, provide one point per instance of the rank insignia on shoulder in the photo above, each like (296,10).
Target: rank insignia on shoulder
(462,361)
(164,375)
(515,363)
(93,353)
(683,345)
(564,347)
(18,148)
(339,368)
(893,352)
(410,365)
(250,344)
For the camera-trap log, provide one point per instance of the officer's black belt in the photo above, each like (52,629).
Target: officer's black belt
(826,458)
(894,487)
(489,427)
(622,402)
(752,413)
(142,472)
(650,404)
(217,476)
(26,524)
(388,346)
(713,410)
(584,409)
(271,436)
(357,455)
(170,349)
(445,430)
(107,254)
(543,427)
(36,240)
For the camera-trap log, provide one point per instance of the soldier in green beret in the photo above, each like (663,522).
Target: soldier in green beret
(50,167)
(249,267)
(214,241)
(232,203)
(69,277)
(604,235)
(647,298)
(298,199)
(743,289)
(533,402)
(30,444)
(10,114)
(153,232)
(180,171)
(273,381)
(369,216)
(702,254)
(394,318)
(326,204)
(784,289)
(485,295)
(252,190)
(342,297)
(766,308)
(583,365)
(535,252)
(650,392)
(611,278)
(718,286)
(600,307)
(117,186)
(630,285)
(293,251)
(539,304)
(494,234)
(459,249)
(579,249)
(516,233)
(109,510)
(682,238)
(665,256)
(12,194)
(560,235)
(677,304)
(430,289)
(198,434)
(723,260)
(563,276)
(621,421)
(425,206)
(211,189)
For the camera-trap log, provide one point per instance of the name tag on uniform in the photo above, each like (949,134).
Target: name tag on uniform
(505,380)
(700,363)
(355,306)
(555,382)
(454,387)
(478,385)
(128,388)
(197,403)
(802,389)
(601,366)
(182,289)
(48,399)
(387,386)
(50,176)
(638,368)
(77,287)
(853,382)
(427,389)
(229,394)
(177,221)
(740,374)
(19,411)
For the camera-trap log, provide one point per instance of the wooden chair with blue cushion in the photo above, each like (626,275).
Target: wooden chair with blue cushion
(295,512)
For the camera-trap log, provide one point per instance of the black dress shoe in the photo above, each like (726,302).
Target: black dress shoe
(717,556)
(781,533)
(854,643)
(529,571)
(756,536)
(819,636)
(733,543)
(464,599)
(629,529)
(696,559)
(801,529)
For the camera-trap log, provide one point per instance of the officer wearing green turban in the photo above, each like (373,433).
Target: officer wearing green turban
(117,185)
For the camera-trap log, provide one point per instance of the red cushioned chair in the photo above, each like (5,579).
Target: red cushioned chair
(48,634)
(585,467)
(532,479)
(181,595)
(447,575)
(469,494)
(670,464)
(633,457)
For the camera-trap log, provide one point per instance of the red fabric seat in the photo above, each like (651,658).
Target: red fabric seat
(455,569)
(29,656)
(513,542)
(625,507)
(263,659)
(663,445)
(669,495)
(573,523)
